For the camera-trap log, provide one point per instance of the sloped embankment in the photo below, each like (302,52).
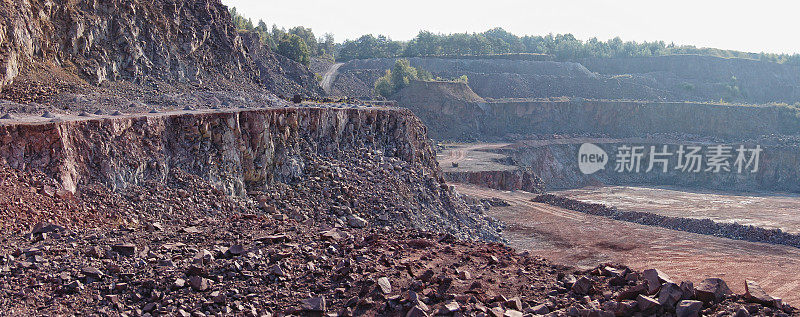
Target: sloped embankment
(659,78)
(453,111)
(135,47)
(375,164)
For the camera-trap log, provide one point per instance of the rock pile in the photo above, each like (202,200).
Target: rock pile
(700,226)
(137,50)
(262,266)
(184,248)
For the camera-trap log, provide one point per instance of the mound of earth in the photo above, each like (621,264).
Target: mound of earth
(186,249)
(113,53)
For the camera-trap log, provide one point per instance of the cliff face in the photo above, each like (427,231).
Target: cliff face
(463,118)
(519,179)
(557,164)
(186,42)
(664,78)
(372,163)
(238,151)
(693,77)
(450,110)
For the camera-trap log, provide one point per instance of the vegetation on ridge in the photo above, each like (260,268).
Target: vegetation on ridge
(561,47)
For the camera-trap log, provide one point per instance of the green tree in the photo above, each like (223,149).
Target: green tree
(369,46)
(308,37)
(293,47)
(494,41)
(328,45)
(383,86)
(399,77)
(240,22)
(264,35)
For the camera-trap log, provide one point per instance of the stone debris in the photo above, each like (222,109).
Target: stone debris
(185,247)
(646,302)
(712,290)
(384,284)
(754,293)
(688,308)
(127,249)
(191,230)
(356,221)
(654,279)
(582,286)
(198,283)
(315,304)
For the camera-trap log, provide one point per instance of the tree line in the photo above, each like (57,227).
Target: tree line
(402,74)
(561,47)
(300,44)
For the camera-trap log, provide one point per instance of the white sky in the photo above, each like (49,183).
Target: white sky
(753,26)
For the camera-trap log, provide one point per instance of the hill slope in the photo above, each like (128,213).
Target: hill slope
(134,48)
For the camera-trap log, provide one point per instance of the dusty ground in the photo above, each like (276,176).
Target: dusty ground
(780,211)
(573,238)
(472,157)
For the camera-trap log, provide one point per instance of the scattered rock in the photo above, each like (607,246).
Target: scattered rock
(688,308)
(236,250)
(540,309)
(178,283)
(126,249)
(654,279)
(646,302)
(191,230)
(670,294)
(356,221)
(755,294)
(582,286)
(450,308)
(198,283)
(314,304)
(92,272)
(384,285)
(512,313)
(712,290)
(416,311)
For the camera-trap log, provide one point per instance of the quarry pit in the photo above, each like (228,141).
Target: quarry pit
(571,237)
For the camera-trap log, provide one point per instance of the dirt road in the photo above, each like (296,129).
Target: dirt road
(329,77)
(574,238)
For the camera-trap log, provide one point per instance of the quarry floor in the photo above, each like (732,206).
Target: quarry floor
(472,157)
(573,238)
(765,210)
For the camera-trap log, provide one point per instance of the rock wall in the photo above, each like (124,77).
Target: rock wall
(238,151)
(449,110)
(557,165)
(520,179)
(372,163)
(461,115)
(192,42)
(633,119)
(665,78)
(694,77)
